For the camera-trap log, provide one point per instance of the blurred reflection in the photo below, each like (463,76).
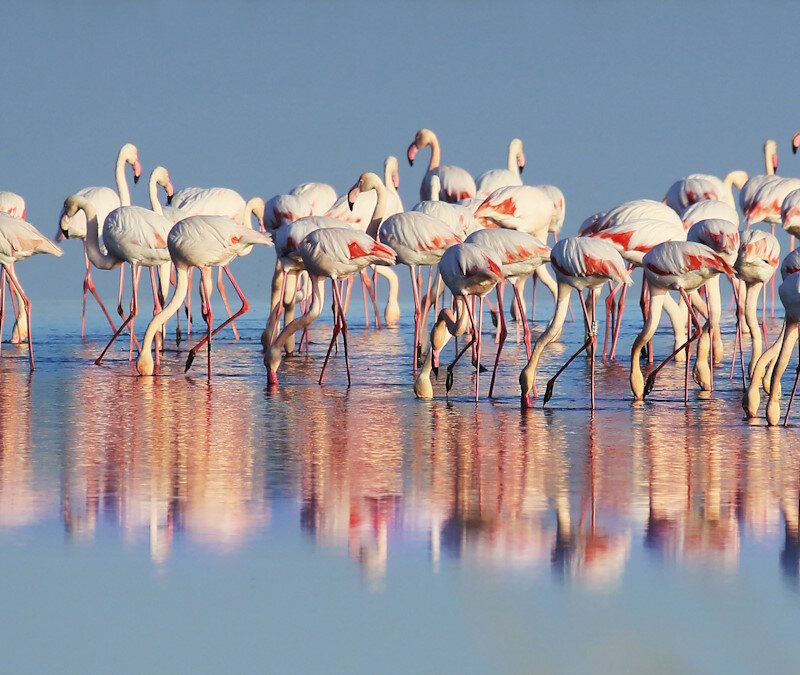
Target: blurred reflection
(369,473)
(22,500)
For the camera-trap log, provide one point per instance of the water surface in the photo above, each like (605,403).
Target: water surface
(173,524)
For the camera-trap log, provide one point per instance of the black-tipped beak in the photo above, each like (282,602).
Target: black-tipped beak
(435,370)
(65,234)
(794,149)
(350,204)
(135,179)
(169,200)
(410,162)
(522,168)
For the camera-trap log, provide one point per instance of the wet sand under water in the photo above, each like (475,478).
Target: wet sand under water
(171,523)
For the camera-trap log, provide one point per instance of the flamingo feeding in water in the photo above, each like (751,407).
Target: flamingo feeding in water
(456,183)
(469,271)
(334,253)
(203,242)
(579,263)
(683,266)
(20,240)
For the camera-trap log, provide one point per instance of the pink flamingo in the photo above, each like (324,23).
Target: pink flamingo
(469,271)
(579,263)
(203,242)
(674,265)
(104,200)
(417,239)
(698,187)
(456,183)
(20,240)
(334,253)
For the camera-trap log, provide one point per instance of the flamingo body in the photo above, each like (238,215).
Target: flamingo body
(417,238)
(321,195)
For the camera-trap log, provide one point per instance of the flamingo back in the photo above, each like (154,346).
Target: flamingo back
(706,209)
(759,255)
(321,195)
(19,240)
(588,261)
(284,209)
(721,236)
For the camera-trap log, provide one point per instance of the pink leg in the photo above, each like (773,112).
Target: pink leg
(205,285)
(335,331)
(134,309)
(12,277)
(133,318)
(343,329)
(2,301)
(120,311)
(221,288)
(244,308)
(620,309)
(415,292)
(772,290)
(794,388)
(526,329)
(501,289)
(372,291)
(478,364)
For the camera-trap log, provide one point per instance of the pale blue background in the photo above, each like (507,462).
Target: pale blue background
(613,100)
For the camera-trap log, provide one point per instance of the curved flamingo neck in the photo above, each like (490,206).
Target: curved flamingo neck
(436,153)
(122,181)
(153,190)
(100,260)
(380,209)
(273,358)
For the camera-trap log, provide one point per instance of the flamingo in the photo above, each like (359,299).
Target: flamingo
(754,183)
(706,209)
(633,239)
(674,265)
(520,255)
(789,293)
(765,364)
(203,242)
(722,237)
(697,187)
(104,200)
(19,240)
(282,209)
(13,204)
(333,253)
(493,179)
(456,182)
(215,201)
(790,215)
(758,257)
(417,239)
(527,208)
(579,262)
(131,234)
(288,238)
(468,270)
(321,195)
(372,203)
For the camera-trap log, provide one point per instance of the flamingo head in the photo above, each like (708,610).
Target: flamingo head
(516,151)
(130,154)
(366,182)
(144,364)
(795,142)
(161,176)
(391,171)
(424,138)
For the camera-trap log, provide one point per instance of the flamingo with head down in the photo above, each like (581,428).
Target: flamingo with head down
(579,263)
(697,187)
(334,253)
(683,266)
(469,271)
(456,183)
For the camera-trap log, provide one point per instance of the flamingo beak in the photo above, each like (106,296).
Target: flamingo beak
(521,162)
(795,142)
(412,153)
(137,171)
(353,195)
(170,190)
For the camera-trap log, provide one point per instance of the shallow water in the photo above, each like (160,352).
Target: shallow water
(170,523)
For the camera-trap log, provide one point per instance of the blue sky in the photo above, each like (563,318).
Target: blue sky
(613,100)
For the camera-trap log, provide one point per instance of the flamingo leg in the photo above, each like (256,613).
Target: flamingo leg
(88,285)
(526,329)
(188,305)
(2,301)
(335,333)
(372,291)
(617,327)
(221,289)
(794,388)
(771,290)
(159,337)
(134,310)
(473,337)
(12,277)
(133,318)
(415,292)
(423,322)
(501,289)
(244,308)
(120,311)
(710,339)
(588,344)
(205,287)
(343,330)
(651,378)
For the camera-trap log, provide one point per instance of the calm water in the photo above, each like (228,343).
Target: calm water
(173,524)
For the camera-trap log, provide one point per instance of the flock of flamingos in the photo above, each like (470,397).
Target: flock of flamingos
(474,236)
